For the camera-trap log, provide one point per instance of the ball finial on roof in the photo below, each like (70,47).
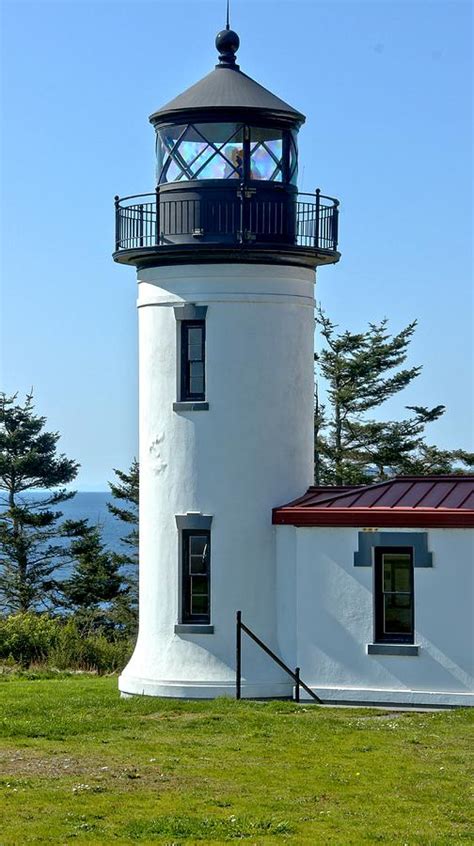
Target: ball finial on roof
(227,43)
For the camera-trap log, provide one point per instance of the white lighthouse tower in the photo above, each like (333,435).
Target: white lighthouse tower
(225,251)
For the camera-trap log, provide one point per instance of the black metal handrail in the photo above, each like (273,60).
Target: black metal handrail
(295,674)
(160,220)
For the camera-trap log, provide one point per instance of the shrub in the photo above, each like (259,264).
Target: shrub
(61,643)
(27,637)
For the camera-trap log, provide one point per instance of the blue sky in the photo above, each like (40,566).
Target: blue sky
(386,90)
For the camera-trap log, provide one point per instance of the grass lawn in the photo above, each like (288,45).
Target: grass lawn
(80,765)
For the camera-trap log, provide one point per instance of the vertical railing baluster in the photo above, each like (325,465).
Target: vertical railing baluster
(157,215)
(140,225)
(318,205)
(297,684)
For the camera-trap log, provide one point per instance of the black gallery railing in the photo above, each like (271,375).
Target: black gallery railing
(240,217)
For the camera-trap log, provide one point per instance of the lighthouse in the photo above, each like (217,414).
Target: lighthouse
(225,250)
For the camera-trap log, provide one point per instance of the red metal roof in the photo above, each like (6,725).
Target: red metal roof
(425,501)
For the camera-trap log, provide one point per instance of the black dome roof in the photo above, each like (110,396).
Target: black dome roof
(226,87)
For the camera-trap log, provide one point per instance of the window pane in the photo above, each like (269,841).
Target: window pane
(197,565)
(396,572)
(199,595)
(197,555)
(161,157)
(197,544)
(293,158)
(226,148)
(266,151)
(199,586)
(199,604)
(196,377)
(397,614)
(263,165)
(266,134)
(218,133)
(184,154)
(195,344)
(165,142)
(190,148)
(202,163)
(173,172)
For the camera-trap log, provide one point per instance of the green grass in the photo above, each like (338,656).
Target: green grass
(79,765)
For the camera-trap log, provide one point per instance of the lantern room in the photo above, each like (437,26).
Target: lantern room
(227,127)
(226,178)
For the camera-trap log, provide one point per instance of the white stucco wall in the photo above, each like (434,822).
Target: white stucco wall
(326,619)
(252,450)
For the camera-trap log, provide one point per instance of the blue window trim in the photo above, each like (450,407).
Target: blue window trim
(193,520)
(393,649)
(190,311)
(418,540)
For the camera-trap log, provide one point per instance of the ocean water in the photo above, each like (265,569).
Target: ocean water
(91,506)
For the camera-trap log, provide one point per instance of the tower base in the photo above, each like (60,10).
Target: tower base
(130,686)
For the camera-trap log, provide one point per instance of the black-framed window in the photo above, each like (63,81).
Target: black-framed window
(394,599)
(193,360)
(196,584)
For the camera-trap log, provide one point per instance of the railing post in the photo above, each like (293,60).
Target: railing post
(318,209)
(238,655)
(242,214)
(117,222)
(297,684)
(335,234)
(157,215)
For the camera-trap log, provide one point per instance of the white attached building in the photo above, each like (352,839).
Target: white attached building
(226,250)
(375,590)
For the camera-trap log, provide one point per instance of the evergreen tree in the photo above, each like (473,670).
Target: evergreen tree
(95,582)
(126,492)
(32,535)
(362,370)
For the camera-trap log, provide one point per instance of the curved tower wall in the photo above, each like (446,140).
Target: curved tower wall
(251,451)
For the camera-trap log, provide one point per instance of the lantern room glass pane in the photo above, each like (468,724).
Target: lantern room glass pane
(200,151)
(266,154)
(173,172)
(165,142)
(293,158)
